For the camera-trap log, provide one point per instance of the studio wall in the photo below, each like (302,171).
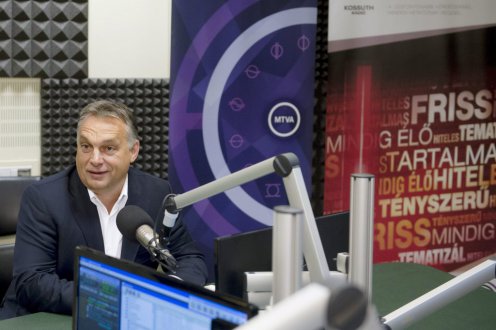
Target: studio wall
(48,43)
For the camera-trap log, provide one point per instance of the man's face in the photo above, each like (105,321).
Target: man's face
(103,156)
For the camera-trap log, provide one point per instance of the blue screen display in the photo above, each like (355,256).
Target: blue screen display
(111,298)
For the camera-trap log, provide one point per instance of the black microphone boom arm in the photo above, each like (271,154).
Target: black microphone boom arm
(287,166)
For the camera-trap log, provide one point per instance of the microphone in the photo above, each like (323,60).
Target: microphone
(137,226)
(169,215)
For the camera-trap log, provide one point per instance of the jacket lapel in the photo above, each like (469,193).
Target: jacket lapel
(85,212)
(129,248)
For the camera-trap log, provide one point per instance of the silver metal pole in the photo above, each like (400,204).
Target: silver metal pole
(312,245)
(441,296)
(361,232)
(314,307)
(287,253)
(279,164)
(306,309)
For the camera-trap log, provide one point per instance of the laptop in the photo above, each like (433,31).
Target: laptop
(252,252)
(111,293)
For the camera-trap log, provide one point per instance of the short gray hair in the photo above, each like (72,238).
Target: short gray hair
(106,108)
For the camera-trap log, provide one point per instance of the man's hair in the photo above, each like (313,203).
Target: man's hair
(106,108)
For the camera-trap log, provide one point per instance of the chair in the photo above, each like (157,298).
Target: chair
(11,190)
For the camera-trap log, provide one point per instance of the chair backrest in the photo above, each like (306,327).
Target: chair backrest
(11,190)
(6,262)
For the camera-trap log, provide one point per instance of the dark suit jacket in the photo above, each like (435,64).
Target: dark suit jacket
(57,215)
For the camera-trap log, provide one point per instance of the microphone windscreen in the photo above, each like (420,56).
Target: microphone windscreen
(347,308)
(130,218)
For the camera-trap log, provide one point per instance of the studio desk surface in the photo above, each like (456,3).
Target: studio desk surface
(394,285)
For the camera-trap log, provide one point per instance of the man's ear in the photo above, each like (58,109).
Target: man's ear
(135,151)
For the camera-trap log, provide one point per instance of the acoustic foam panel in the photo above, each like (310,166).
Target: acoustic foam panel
(321,78)
(62,99)
(44,38)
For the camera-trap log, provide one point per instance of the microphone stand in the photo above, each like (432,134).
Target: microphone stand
(287,166)
(157,251)
(163,257)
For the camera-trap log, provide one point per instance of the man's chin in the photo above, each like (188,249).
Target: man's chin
(96,185)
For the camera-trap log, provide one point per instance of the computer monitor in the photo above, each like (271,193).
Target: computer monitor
(110,293)
(252,252)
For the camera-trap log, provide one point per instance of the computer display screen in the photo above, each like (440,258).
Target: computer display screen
(115,294)
(252,251)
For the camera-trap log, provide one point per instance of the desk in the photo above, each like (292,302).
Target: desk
(41,321)
(394,285)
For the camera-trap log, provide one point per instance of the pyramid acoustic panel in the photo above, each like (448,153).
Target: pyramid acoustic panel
(62,99)
(321,78)
(44,38)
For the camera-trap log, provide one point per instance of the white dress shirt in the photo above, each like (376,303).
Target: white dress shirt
(112,237)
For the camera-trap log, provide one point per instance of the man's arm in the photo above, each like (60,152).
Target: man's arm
(191,265)
(38,287)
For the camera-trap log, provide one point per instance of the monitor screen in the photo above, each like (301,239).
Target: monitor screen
(252,251)
(116,294)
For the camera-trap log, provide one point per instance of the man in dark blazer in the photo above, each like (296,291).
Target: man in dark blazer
(78,206)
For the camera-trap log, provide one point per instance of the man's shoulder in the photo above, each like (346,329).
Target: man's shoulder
(145,184)
(58,177)
(135,172)
(53,189)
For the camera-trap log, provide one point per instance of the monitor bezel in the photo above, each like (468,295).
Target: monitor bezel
(156,276)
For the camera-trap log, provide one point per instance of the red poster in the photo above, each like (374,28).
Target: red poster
(421,116)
